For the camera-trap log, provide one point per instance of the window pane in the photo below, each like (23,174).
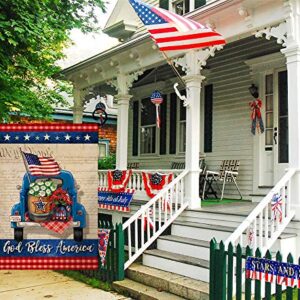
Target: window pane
(182,111)
(179,7)
(102,150)
(283,156)
(199,3)
(269,103)
(269,84)
(148,135)
(148,112)
(269,120)
(269,137)
(182,137)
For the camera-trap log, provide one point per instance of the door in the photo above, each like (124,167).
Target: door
(274,142)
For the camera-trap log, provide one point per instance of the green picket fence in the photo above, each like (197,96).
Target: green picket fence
(114,268)
(227,270)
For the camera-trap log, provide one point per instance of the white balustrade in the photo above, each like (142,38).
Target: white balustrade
(261,228)
(153,218)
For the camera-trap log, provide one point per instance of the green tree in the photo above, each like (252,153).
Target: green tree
(33,34)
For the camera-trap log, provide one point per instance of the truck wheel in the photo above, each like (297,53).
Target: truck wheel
(18,234)
(78,234)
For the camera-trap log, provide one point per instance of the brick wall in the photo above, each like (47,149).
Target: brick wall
(109,132)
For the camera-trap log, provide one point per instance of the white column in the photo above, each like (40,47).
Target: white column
(193,84)
(122,131)
(78,106)
(292,54)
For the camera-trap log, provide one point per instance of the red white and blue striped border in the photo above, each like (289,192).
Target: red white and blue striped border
(106,189)
(48,263)
(49,127)
(114,207)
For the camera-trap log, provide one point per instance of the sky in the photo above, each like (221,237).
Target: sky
(87,45)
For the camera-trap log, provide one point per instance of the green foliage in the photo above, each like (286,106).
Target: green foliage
(33,34)
(107,163)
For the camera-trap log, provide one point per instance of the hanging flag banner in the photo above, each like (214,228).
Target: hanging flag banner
(273,271)
(115,201)
(103,237)
(256,117)
(276,207)
(118,180)
(48,196)
(157,100)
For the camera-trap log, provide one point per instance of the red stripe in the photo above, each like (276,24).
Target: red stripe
(163,30)
(49,128)
(192,46)
(186,37)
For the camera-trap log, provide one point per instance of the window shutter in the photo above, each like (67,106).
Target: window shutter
(164,4)
(199,3)
(208,119)
(173,123)
(135,129)
(163,127)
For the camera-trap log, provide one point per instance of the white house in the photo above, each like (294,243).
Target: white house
(263,48)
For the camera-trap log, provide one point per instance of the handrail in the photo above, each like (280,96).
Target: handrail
(264,232)
(163,209)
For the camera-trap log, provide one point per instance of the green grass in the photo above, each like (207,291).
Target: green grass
(93,282)
(213,201)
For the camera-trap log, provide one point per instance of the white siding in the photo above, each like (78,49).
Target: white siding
(232,138)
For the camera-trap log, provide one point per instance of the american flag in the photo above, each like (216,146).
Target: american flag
(173,32)
(41,166)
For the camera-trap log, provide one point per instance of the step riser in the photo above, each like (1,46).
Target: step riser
(203,220)
(176,267)
(199,233)
(184,249)
(169,286)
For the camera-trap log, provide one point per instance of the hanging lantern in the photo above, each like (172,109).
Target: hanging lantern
(157,99)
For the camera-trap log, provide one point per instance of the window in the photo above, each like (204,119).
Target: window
(103,148)
(148,127)
(269,112)
(181,7)
(208,118)
(182,127)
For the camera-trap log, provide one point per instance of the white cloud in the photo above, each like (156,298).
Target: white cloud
(87,45)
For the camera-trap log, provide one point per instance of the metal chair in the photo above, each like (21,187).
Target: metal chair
(228,174)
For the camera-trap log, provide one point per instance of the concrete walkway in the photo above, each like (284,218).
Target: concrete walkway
(36,285)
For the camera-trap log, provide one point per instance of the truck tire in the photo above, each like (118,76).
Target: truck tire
(18,234)
(78,234)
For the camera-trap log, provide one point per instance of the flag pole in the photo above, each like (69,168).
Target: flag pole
(170,63)
(25,164)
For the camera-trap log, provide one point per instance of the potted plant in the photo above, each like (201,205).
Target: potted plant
(61,205)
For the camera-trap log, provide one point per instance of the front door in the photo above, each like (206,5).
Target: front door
(274,142)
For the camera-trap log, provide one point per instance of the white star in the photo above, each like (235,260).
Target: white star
(87,137)
(37,138)
(46,137)
(7,137)
(17,138)
(27,137)
(67,137)
(77,138)
(57,138)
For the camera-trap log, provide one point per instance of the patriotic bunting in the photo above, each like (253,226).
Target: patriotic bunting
(273,271)
(118,180)
(103,235)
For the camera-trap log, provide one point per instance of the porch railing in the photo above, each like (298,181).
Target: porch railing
(136,181)
(153,218)
(260,229)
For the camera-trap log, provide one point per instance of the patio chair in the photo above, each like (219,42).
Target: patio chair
(228,174)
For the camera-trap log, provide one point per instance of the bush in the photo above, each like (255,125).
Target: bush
(107,163)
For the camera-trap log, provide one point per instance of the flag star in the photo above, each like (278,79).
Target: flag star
(77,138)
(57,138)
(37,138)
(17,138)
(46,137)
(7,137)
(67,137)
(87,137)
(27,137)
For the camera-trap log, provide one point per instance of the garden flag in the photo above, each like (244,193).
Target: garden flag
(174,32)
(103,235)
(40,166)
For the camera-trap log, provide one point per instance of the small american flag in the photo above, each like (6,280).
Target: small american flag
(173,32)
(41,166)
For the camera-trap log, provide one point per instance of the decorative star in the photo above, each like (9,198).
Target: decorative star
(87,137)
(67,137)
(7,137)
(27,137)
(37,138)
(17,138)
(40,206)
(57,138)
(46,137)
(77,137)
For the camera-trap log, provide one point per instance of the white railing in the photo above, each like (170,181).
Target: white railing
(259,229)
(136,181)
(153,218)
